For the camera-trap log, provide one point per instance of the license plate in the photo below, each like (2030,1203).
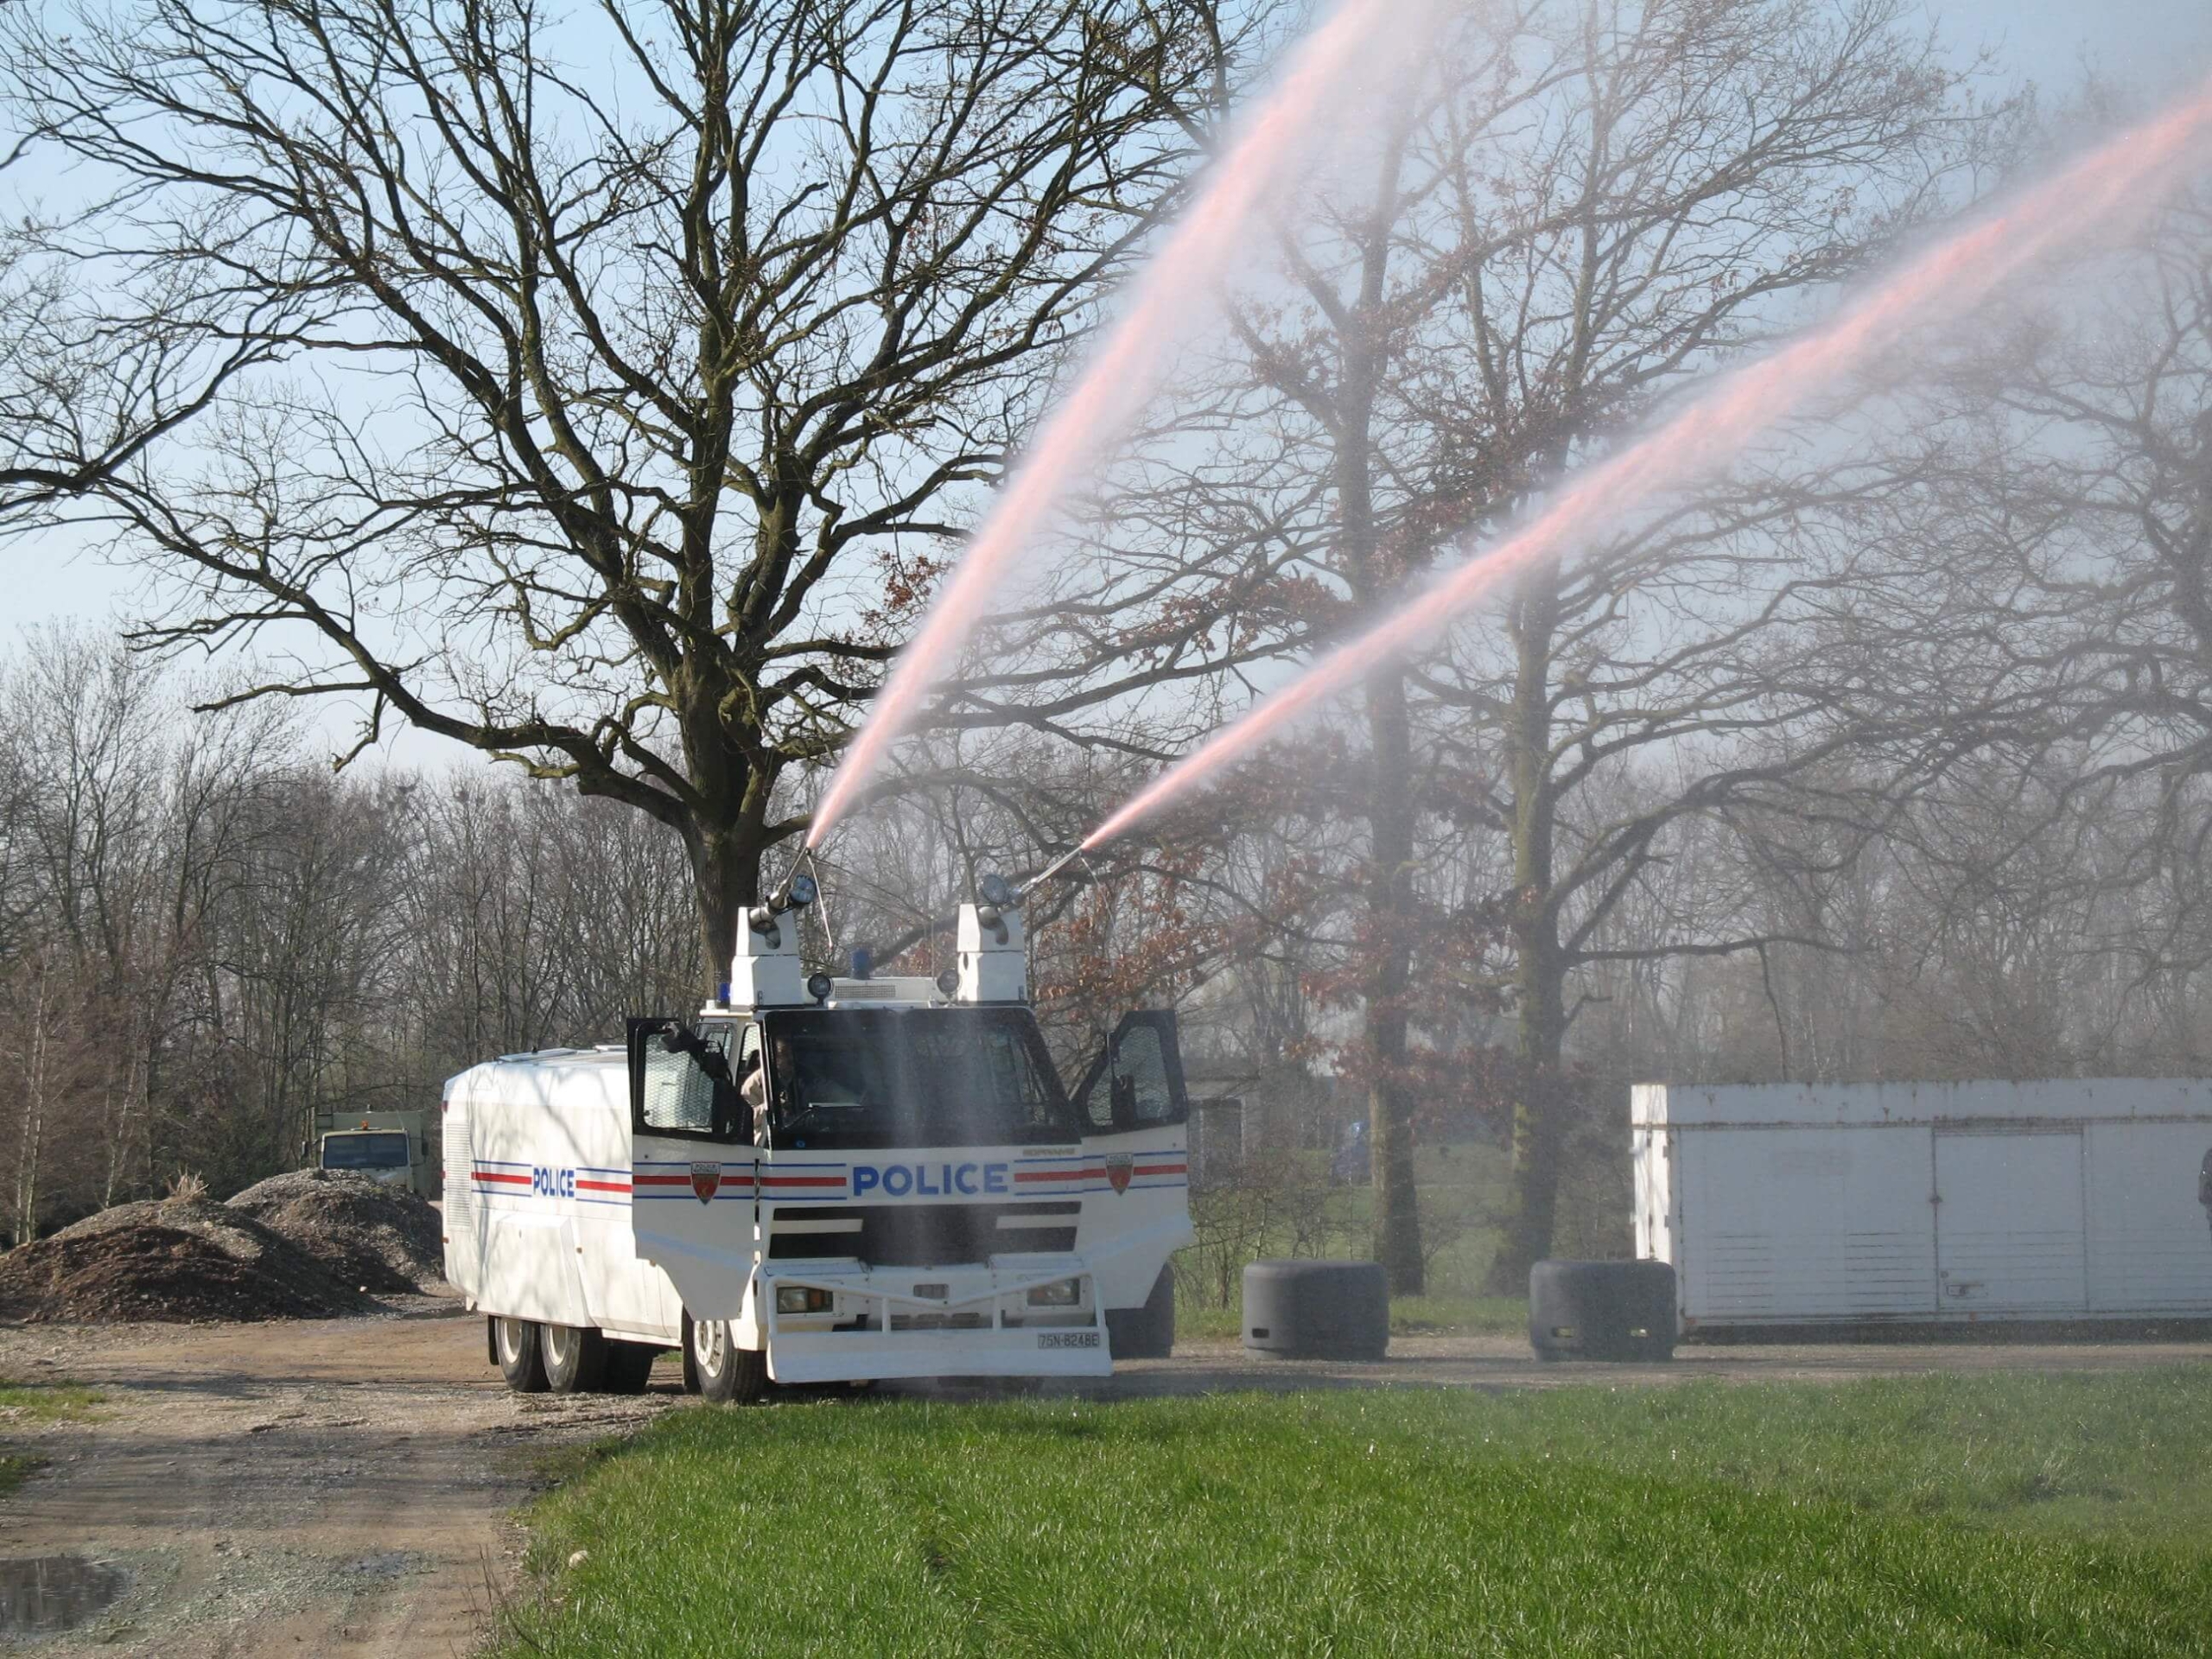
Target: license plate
(1068,1339)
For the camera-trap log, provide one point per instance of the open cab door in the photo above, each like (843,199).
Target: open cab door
(1137,1112)
(694,1167)
(1136,1083)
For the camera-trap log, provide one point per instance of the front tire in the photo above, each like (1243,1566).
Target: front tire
(1147,1332)
(515,1345)
(574,1357)
(727,1373)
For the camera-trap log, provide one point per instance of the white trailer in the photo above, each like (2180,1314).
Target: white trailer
(907,1191)
(1853,1203)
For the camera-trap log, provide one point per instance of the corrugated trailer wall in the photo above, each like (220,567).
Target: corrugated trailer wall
(1849,1203)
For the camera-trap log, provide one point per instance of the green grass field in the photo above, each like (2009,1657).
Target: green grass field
(2007,1514)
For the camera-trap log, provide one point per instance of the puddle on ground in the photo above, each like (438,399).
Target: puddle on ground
(42,1595)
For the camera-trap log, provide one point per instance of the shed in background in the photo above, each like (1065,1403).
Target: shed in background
(1809,1203)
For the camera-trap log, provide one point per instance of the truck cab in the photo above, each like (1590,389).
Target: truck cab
(395,1148)
(385,1156)
(885,1178)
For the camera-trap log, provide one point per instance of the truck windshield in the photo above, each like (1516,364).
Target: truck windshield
(373,1150)
(851,1077)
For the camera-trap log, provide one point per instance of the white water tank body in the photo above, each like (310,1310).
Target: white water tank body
(1813,1203)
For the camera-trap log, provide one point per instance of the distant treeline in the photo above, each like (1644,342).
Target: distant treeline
(206,938)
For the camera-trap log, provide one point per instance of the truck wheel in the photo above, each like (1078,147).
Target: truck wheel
(574,1357)
(515,1341)
(727,1374)
(1147,1332)
(629,1366)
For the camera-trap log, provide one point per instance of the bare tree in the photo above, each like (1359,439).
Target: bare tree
(1588,206)
(636,367)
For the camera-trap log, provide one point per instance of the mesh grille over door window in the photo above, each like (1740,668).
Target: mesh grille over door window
(682,1093)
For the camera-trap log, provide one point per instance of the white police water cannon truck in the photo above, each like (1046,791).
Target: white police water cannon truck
(823,1179)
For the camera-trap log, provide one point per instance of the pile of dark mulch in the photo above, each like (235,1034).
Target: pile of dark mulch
(173,1260)
(383,1239)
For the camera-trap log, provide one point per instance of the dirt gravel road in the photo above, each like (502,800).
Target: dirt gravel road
(342,1486)
(348,1486)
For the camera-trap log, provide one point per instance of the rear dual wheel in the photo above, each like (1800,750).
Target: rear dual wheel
(567,1359)
(576,1358)
(629,1366)
(515,1345)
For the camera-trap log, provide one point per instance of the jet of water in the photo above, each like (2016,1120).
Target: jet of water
(2125,177)
(1359,51)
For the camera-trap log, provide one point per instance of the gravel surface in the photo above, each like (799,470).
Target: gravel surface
(323,1487)
(177,1259)
(383,1239)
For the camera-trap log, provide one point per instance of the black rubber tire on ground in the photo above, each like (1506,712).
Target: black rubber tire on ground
(574,1357)
(1616,1310)
(514,1342)
(727,1374)
(629,1366)
(1309,1309)
(1147,1332)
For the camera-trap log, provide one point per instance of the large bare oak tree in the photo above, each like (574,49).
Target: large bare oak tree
(600,391)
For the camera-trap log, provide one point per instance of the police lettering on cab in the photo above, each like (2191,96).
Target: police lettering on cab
(932,1180)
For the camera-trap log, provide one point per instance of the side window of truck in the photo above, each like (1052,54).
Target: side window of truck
(1143,1063)
(1137,1082)
(679,1092)
(748,1054)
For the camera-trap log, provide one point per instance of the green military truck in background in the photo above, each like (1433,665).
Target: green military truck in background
(397,1148)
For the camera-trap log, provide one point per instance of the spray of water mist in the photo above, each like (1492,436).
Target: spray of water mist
(2121,180)
(1360,51)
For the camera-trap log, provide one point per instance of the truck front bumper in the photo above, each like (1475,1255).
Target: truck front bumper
(964,1322)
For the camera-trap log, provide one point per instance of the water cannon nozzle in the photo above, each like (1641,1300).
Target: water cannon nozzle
(1050,871)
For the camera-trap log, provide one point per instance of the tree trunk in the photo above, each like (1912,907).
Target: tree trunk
(36,1083)
(726,882)
(1390,811)
(1540,972)
(1389,1102)
(1540,1108)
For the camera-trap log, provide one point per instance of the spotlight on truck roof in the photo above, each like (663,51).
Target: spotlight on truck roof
(948,981)
(819,986)
(995,889)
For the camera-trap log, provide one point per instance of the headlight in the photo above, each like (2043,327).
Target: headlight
(1064,1292)
(801,1299)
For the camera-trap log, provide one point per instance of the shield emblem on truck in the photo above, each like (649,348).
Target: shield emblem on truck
(706,1181)
(1119,1166)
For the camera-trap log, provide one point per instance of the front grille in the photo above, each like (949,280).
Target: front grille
(921,1235)
(940,1321)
